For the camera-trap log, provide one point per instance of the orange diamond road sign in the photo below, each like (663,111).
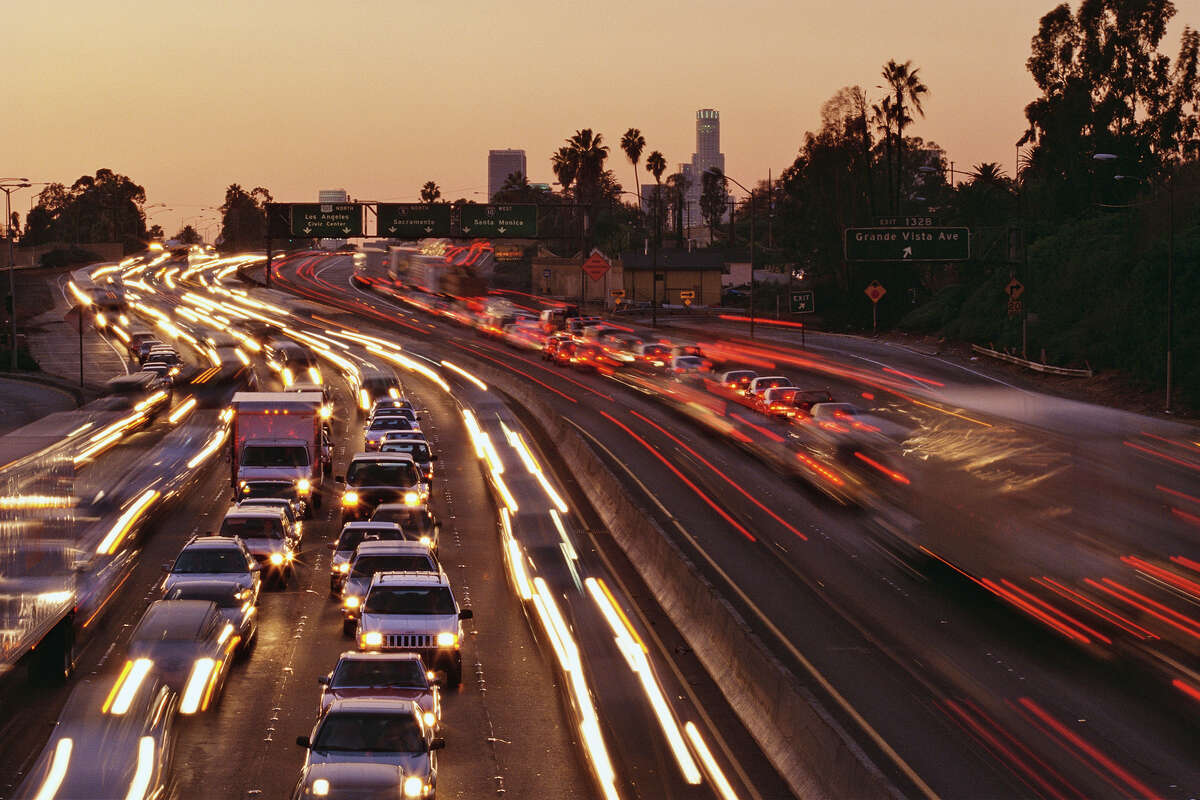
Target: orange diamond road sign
(875,291)
(1014,289)
(596,265)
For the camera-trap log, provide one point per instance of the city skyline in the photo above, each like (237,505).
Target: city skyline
(238,107)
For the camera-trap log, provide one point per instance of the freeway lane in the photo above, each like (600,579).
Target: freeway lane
(644,766)
(986,663)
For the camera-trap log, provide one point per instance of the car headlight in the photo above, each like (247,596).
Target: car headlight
(413,786)
(343,567)
(276,559)
(303,485)
(314,375)
(320,787)
(411,498)
(372,639)
(364,400)
(288,377)
(426,540)
(352,602)
(326,412)
(430,719)
(447,639)
(350,499)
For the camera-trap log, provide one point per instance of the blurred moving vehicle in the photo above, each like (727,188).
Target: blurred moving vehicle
(235,604)
(758,386)
(395,676)
(377,385)
(552,343)
(114,740)
(737,380)
(688,365)
(190,645)
(415,611)
(365,731)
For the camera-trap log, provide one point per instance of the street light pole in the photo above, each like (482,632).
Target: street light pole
(1170,282)
(753,209)
(9,188)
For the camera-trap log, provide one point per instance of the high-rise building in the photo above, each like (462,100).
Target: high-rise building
(501,164)
(707,156)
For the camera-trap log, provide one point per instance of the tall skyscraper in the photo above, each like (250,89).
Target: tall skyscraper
(501,164)
(707,156)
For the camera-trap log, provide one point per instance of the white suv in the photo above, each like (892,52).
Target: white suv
(416,612)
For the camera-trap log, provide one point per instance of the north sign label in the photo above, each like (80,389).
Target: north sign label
(510,221)
(413,220)
(327,220)
(907,244)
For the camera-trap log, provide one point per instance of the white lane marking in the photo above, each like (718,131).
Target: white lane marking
(809,667)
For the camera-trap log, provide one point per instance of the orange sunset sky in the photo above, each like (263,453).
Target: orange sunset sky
(378,97)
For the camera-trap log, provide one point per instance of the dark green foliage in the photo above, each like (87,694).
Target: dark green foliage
(105,207)
(243,219)
(68,256)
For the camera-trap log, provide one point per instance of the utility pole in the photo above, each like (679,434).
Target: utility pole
(753,214)
(654,270)
(9,188)
(1170,281)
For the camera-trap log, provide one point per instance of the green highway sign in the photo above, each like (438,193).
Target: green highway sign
(327,220)
(413,220)
(803,302)
(509,221)
(907,244)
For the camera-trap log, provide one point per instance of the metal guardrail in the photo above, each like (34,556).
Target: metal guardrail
(1034,365)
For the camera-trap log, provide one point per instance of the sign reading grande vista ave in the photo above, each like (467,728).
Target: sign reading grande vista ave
(907,244)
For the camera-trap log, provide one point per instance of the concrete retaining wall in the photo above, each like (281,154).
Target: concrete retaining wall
(809,749)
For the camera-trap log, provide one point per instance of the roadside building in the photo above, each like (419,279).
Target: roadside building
(698,271)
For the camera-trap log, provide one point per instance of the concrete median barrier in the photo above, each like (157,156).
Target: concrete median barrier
(813,753)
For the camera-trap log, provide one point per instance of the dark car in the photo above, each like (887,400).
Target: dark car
(418,522)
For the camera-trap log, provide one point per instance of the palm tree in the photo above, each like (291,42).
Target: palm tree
(430,192)
(588,152)
(989,172)
(633,143)
(906,86)
(677,189)
(564,166)
(657,166)
(881,118)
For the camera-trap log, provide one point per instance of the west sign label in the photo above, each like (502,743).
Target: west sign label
(327,220)
(907,244)
(414,220)
(495,221)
